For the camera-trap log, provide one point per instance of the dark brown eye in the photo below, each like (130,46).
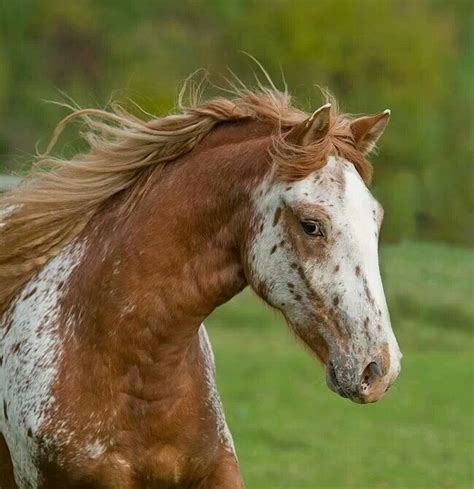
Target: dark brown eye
(312,228)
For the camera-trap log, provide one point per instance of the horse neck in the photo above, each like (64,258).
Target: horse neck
(154,277)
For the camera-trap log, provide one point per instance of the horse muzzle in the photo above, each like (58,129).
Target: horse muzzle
(361,385)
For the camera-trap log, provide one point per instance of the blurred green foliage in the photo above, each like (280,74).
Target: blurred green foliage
(414,56)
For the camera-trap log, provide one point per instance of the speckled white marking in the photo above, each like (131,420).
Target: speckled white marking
(353,218)
(273,269)
(214,399)
(31,352)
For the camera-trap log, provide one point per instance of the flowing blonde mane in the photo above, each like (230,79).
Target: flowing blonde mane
(59,197)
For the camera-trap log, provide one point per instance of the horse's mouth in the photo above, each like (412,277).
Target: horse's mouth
(334,384)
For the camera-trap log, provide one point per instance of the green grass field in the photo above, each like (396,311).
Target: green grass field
(291,432)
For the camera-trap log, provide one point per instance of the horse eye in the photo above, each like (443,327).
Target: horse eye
(312,228)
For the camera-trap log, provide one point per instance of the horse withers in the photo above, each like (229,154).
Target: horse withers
(111,261)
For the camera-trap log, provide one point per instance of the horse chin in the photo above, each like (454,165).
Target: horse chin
(332,382)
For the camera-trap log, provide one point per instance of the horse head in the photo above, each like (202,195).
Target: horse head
(313,252)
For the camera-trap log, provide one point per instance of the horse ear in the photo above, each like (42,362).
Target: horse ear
(312,129)
(367,130)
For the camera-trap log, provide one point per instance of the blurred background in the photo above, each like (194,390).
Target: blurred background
(413,56)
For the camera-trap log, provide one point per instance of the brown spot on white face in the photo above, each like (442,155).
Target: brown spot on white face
(302,274)
(370,299)
(357,270)
(277,216)
(274,247)
(30,293)
(8,325)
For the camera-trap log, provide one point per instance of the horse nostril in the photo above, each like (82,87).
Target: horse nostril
(375,369)
(370,375)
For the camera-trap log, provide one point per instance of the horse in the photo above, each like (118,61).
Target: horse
(110,262)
